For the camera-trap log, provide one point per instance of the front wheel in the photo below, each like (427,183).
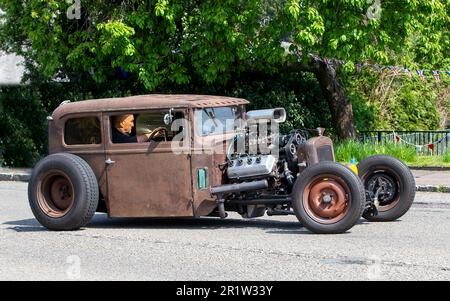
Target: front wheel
(390,183)
(328,198)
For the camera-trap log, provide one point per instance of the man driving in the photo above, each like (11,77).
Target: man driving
(121,132)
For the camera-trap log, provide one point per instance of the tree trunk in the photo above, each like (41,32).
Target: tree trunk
(340,106)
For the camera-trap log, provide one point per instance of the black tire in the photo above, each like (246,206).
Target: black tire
(63,192)
(397,173)
(319,181)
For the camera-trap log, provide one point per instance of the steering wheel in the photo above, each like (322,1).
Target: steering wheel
(157,131)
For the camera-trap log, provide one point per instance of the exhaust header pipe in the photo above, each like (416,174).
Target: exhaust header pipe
(277,115)
(246,186)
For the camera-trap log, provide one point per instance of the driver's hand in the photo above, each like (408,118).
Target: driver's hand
(158,134)
(144,137)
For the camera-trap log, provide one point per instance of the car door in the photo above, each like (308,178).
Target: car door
(147,179)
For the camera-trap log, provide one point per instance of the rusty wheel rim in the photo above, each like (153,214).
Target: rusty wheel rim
(55,194)
(326,199)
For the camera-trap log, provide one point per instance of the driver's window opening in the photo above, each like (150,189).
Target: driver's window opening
(143,127)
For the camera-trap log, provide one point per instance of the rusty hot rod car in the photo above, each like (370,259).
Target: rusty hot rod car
(87,171)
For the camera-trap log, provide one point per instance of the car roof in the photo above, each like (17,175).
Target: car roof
(151,101)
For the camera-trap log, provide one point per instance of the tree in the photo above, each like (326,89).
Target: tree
(211,42)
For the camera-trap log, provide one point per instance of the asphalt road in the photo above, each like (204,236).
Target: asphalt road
(270,248)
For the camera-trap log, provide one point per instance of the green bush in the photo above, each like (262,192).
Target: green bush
(299,94)
(23,132)
(383,102)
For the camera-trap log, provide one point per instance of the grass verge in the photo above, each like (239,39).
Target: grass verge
(349,149)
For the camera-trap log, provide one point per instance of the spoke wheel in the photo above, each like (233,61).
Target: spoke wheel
(390,182)
(385,188)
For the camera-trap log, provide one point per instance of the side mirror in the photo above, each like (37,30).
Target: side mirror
(168,118)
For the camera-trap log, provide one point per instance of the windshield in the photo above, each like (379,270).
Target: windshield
(210,121)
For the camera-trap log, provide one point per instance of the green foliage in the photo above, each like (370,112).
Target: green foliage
(299,94)
(349,149)
(442,189)
(384,102)
(22,128)
(446,157)
(178,42)
(438,161)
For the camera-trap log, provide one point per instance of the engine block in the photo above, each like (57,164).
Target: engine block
(251,166)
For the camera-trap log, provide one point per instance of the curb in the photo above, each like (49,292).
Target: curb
(20,177)
(430,168)
(431,188)
(25,177)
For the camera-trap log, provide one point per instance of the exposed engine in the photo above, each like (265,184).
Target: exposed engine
(258,180)
(248,167)
(281,167)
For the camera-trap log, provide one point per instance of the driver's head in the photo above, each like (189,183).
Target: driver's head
(124,123)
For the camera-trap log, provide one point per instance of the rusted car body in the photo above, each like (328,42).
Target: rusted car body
(145,179)
(148,179)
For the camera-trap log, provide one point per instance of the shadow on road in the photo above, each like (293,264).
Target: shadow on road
(101,221)
(25,225)
(202,223)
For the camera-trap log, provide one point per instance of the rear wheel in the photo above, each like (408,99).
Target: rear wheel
(63,192)
(328,198)
(390,182)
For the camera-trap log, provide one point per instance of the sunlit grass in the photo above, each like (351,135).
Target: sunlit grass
(434,161)
(446,157)
(349,149)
